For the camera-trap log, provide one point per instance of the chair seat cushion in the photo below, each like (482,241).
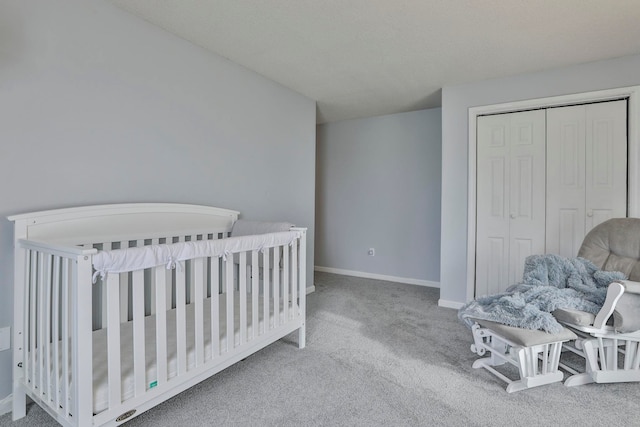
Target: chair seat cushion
(624,319)
(527,337)
(574,317)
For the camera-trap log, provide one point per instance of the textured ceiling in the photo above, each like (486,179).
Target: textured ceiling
(360,58)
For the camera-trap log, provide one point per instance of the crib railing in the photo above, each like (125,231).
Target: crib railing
(54,360)
(100,316)
(54,312)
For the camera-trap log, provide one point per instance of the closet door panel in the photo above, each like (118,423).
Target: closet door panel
(494,279)
(571,232)
(527,181)
(606,162)
(565,180)
(586,171)
(510,197)
(492,240)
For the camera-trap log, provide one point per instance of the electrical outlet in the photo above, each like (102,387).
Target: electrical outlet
(372,252)
(5,338)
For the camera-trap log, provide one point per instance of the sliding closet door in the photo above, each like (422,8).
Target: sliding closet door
(566,179)
(586,171)
(510,197)
(606,142)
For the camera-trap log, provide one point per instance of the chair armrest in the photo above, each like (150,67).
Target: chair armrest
(614,292)
(630,286)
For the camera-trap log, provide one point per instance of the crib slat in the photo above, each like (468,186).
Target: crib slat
(40,327)
(139,369)
(181,323)
(294,277)
(55,327)
(46,332)
(33,326)
(188,265)
(161,323)
(276,287)
(124,289)
(152,284)
(223,278)
(285,284)
(113,340)
(171,286)
(229,295)
(243,296)
(124,297)
(302,271)
(124,286)
(66,283)
(214,267)
(198,267)
(266,284)
(255,290)
(105,246)
(26,348)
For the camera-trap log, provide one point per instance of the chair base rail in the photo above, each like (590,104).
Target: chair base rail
(537,365)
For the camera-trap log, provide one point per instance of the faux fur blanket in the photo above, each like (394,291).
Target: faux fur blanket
(549,282)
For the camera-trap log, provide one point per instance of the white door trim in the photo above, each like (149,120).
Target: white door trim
(633,95)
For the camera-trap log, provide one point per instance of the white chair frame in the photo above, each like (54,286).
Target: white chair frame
(537,365)
(601,346)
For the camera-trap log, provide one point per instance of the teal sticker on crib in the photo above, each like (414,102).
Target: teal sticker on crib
(153,384)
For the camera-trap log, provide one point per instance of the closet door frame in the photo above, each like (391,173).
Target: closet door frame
(632,94)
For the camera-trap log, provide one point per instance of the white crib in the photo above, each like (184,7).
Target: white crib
(167,308)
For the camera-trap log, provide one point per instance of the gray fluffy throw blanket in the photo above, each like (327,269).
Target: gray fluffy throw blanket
(549,282)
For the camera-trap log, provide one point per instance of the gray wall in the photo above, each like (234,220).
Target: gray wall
(378,185)
(98,106)
(456,102)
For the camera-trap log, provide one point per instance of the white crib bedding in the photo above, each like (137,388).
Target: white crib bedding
(100,387)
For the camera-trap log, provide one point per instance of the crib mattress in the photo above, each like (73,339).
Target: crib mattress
(100,351)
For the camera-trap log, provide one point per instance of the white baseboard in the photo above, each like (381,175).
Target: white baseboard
(6,404)
(450,304)
(377,276)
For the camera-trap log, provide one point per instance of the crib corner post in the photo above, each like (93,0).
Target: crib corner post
(82,344)
(302,336)
(302,283)
(19,403)
(19,399)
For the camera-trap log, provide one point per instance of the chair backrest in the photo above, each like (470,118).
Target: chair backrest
(614,245)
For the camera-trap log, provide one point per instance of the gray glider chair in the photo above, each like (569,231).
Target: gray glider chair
(610,340)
